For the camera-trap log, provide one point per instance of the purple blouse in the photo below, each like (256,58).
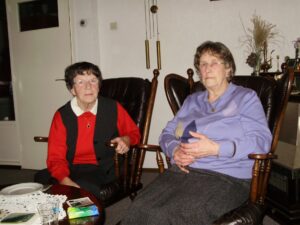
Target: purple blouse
(236,120)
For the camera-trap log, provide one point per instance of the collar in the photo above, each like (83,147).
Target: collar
(229,89)
(78,111)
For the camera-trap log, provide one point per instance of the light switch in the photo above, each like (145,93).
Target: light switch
(113,25)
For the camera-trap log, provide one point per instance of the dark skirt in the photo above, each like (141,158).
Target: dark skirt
(177,198)
(87,176)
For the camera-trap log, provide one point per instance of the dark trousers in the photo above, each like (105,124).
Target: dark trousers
(87,176)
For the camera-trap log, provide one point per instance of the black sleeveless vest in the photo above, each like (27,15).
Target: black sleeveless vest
(105,130)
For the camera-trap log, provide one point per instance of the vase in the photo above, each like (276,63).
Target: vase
(256,68)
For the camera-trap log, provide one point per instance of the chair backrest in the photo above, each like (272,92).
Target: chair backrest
(137,96)
(273,93)
(132,93)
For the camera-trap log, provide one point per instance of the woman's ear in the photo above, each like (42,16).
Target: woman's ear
(73,92)
(228,72)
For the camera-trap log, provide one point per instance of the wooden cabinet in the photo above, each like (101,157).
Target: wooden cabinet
(283,197)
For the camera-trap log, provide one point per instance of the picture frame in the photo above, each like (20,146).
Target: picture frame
(35,15)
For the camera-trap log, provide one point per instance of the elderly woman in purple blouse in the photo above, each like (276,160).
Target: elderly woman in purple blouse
(208,142)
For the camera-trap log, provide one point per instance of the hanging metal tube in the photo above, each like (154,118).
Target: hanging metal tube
(158,55)
(147,41)
(147,54)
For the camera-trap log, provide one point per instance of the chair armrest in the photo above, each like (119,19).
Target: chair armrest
(260,176)
(40,139)
(147,147)
(157,150)
(152,148)
(262,156)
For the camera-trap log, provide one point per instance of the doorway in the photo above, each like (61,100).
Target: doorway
(7,111)
(38,56)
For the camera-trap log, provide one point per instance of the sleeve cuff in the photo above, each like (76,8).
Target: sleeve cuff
(170,148)
(227,149)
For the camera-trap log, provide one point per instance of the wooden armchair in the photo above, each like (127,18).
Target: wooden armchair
(274,94)
(137,96)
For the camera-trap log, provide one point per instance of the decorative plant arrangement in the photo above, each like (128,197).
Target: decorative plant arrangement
(297,47)
(256,40)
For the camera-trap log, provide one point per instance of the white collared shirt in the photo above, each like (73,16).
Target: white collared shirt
(78,111)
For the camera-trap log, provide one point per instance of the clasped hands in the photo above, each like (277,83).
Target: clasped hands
(187,153)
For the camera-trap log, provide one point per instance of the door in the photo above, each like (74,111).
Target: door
(38,58)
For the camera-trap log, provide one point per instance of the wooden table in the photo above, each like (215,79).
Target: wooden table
(72,193)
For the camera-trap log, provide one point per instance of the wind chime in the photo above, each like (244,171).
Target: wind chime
(151,25)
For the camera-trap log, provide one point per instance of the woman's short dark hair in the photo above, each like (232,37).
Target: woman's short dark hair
(217,49)
(79,69)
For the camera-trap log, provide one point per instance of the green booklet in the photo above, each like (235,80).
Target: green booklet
(17,218)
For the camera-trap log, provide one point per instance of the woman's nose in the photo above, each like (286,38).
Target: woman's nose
(88,85)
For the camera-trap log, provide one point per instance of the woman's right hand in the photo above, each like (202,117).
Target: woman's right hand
(182,159)
(69,182)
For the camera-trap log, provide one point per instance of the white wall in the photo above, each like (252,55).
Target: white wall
(183,26)
(85,37)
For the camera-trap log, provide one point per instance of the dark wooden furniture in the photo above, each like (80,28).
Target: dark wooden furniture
(283,196)
(270,74)
(72,193)
(274,96)
(137,96)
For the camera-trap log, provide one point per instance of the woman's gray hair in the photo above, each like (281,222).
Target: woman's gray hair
(219,50)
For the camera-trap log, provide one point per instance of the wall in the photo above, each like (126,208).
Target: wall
(85,37)
(183,25)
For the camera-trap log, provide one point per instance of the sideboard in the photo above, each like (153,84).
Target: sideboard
(283,196)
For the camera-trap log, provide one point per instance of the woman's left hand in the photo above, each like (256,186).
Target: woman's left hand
(202,147)
(123,144)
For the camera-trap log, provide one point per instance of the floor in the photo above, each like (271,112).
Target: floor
(114,213)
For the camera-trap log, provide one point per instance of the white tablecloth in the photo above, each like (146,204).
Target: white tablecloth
(28,203)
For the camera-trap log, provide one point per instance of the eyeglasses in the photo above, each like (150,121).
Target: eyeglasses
(83,83)
(213,64)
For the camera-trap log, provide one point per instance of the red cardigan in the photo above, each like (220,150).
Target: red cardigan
(57,148)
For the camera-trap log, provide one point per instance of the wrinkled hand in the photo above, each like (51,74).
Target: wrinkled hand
(182,159)
(123,144)
(202,147)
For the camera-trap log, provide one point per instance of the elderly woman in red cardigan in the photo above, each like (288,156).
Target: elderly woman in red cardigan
(77,154)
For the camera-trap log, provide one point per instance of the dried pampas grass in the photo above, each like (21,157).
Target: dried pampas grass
(260,35)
